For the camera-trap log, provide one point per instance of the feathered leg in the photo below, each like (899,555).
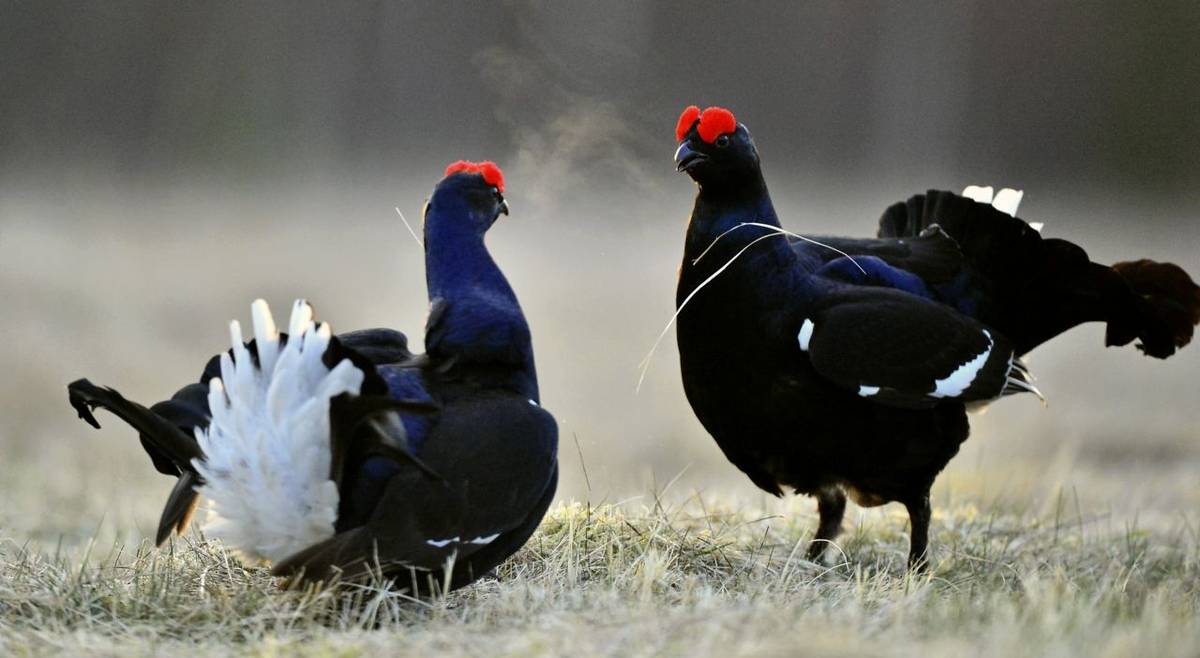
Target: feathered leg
(831,505)
(919,513)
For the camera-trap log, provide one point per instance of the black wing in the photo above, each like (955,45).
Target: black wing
(498,455)
(930,254)
(378,346)
(905,351)
(998,269)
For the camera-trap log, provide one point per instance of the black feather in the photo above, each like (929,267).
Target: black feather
(163,436)
(179,508)
(1167,314)
(826,367)
(438,457)
(1032,289)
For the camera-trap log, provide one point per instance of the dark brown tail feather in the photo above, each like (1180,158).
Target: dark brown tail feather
(1038,288)
(1169,309)
(181,505)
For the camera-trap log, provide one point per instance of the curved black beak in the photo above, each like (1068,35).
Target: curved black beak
(503,207)
(686,158)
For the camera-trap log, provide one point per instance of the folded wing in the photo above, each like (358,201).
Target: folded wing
(906,351)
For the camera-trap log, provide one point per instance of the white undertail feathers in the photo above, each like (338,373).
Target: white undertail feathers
(1006,200)
(267,456)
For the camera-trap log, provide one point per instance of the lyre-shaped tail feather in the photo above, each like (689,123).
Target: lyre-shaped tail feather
(173,442)
(1166,312)
(179,448)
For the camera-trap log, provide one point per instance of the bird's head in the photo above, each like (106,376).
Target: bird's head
(714,149)
(471,193)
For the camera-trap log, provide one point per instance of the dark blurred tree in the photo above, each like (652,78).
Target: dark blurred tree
(1100,93)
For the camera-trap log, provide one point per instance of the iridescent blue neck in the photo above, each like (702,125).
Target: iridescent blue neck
(483,328)
(457,261)
(718,210)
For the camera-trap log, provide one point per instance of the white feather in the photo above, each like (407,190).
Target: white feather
(958,381)
(1007,200)
(978,193)
(805,335)
(267,456)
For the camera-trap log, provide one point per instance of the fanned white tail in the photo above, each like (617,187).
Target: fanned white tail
(267,454)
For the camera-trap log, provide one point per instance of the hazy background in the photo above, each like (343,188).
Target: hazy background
(163,164)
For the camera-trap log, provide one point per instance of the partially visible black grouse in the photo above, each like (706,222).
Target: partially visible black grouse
(847,368)
(336,455)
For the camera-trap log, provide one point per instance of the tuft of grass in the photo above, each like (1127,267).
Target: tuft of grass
(697,577)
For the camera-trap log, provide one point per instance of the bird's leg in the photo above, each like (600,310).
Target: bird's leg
(918,552)
(831,505)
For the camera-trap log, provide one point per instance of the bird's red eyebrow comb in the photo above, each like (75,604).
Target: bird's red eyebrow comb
(492,175)
(714,122)
(689,116)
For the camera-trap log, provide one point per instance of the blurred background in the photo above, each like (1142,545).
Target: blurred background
(163,164)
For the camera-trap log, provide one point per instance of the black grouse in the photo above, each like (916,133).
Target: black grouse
(847,367)
(335,456)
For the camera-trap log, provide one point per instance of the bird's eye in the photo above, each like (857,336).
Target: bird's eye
(723,141)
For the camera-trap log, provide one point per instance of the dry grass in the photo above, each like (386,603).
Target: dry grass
(1068,531)
(692,579)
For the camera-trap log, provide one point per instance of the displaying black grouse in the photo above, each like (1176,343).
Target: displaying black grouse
(336,455)
(846,367)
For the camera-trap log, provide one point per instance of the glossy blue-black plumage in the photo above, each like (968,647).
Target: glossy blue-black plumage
(474,313)
(493,445)
(470,481)
(846,366)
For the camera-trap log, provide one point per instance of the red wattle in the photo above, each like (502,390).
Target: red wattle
(461,165)
(492,175)
(689,116)
(714,122)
